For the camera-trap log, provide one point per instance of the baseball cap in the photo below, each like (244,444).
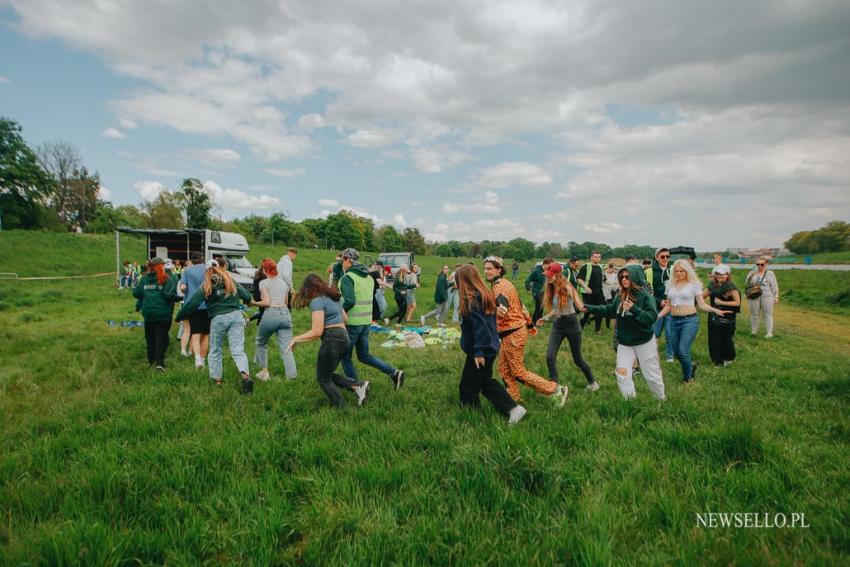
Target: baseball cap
(351,254)
(211,264)
(721,269)
(157,260)
(553,268)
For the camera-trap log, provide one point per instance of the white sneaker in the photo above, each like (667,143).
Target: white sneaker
(516,415)
(263,375)
(671,360)
(592,387)
(362,392)
(768,336)
(561,395)
(386,322)
(185,352)
(422,321)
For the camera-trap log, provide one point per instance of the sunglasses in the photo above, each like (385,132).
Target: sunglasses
(623,277)
(664,257)
(759,265)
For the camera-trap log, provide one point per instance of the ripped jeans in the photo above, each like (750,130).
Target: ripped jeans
(647,356)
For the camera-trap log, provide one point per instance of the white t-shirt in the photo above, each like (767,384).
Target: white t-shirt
(685,295)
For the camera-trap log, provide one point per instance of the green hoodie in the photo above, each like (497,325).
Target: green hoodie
(441,293)
(535,281)
(346,285)
(157,299)
(634,327)
(218,303)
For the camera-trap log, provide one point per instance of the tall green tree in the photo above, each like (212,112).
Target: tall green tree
(24,185)
(387,239)
(196,203)
(164,211)
(413,241)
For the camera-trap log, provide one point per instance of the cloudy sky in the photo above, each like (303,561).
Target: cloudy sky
(711,124)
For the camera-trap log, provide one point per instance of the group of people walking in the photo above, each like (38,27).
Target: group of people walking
(494,322)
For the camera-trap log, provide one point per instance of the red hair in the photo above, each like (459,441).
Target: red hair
(161,276)
(269,267)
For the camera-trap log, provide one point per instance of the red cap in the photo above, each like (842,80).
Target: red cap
(553,268)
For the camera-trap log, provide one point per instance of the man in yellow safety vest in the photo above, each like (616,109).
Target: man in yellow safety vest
(358,292)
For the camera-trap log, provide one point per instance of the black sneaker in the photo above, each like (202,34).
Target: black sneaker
(160,368)
(398,379)
(247,383)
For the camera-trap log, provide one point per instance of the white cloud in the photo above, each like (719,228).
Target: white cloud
(490,204)
(148,190)
(127,124)
(398,219)
(104,194)
(603,227)
(328,202)
(216,157)
(4,80)
(370,139)
(228,198)
(513,174)
(283,172)
(818,211)
(112,133)
(311,121)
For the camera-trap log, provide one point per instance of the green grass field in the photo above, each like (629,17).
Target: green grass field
(104,462)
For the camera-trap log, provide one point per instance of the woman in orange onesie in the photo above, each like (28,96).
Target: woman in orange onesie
(514,325)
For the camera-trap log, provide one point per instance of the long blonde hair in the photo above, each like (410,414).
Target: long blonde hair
(685,265)
(216,276)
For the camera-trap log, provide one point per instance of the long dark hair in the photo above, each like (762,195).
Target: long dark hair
(313,287)
(634,290)
(469,285)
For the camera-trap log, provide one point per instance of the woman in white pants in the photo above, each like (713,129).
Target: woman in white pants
(636,314)
(762,306)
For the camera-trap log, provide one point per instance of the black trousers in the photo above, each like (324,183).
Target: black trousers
(156,337)
(538,307)
(566,327)
(475,381)
(593,299)
(721,344)
(401,301)
(334,346)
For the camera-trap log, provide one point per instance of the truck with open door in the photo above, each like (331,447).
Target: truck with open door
(179,243)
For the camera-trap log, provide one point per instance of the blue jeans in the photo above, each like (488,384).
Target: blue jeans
(358,336)
(233,325)
(664,323)
(454,301)
(683,331)
(276,321)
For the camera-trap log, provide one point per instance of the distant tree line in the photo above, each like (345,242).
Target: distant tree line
(49,188)
(832,237)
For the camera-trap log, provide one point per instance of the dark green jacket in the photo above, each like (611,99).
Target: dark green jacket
(659,278)
(346,286)
(157,299)
(400,288)
(634,327)
(218,303)
(535,281)
(441,292)
(337,272)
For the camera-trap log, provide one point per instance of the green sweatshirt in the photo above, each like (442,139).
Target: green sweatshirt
(218,303)
(535,281)
(157,299)
(400,288)
(441,292)
(634,327)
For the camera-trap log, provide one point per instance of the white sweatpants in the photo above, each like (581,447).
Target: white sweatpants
(650,366)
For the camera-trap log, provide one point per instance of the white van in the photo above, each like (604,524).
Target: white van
(179,243)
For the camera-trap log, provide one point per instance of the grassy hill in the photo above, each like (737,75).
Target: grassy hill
(103,462)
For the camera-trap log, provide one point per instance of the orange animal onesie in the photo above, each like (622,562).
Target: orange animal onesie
(513,330)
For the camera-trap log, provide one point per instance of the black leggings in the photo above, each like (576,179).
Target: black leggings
(156,337)
(566,327)
(401,301)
